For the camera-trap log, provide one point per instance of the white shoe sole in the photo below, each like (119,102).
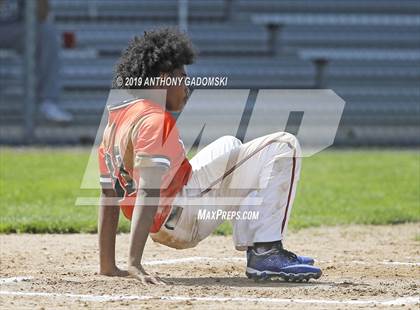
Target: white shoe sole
(258,275)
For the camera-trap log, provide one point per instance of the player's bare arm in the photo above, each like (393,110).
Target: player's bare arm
(147,202)
(107,229)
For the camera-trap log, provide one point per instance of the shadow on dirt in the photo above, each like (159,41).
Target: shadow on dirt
(244,282)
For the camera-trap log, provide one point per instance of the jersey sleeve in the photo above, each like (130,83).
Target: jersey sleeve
(154,138)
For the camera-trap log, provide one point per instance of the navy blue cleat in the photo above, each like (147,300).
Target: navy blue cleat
(279,263)
(305,260)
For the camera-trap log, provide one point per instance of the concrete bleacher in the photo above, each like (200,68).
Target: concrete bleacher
(209,39)
(275,24)
(371,48)
(249,8)
(167,10)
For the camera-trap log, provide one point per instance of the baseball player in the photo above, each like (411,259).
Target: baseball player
(144,173)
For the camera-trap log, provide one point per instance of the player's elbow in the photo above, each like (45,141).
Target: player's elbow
(150,178)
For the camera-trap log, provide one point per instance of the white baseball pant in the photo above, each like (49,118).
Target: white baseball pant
(260,175)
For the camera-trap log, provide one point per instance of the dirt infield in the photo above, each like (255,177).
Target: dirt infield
(364,266)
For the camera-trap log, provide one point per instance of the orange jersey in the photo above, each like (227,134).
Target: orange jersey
(140,133)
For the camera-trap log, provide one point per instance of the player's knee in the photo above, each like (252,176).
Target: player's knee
(293,140)
(286,136)
(231,140)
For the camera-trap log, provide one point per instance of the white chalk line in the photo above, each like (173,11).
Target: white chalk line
(105,298)
(190,259)
(14,279)
(234,259)
(386,263)
(175,261)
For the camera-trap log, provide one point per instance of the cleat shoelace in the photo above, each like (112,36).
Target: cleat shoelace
(288,254)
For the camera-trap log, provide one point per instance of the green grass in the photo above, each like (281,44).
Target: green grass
(39,187)
(363,187)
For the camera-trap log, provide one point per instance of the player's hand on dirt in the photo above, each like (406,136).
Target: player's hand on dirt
(144,277)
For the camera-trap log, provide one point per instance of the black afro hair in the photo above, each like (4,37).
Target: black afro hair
(157,51)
